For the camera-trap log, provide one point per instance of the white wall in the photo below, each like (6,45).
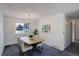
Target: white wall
(1,34)
(10,35)
(68,33)
(56,37)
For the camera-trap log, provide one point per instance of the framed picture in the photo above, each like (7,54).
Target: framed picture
(46,28)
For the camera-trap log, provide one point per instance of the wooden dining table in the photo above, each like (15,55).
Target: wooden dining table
(34,41)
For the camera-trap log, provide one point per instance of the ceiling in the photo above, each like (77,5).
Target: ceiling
(37,10)
(73,15)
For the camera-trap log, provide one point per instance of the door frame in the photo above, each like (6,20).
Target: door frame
(73,30)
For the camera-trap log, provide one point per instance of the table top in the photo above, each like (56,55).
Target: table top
(33,40)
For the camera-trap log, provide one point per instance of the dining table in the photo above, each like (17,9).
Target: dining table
(34,41)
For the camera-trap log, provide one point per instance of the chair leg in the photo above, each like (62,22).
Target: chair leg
(21,53)
(42,47)
(30,53)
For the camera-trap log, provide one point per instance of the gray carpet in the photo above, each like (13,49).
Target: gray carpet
(72,50)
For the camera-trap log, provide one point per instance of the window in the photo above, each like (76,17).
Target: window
(22,27)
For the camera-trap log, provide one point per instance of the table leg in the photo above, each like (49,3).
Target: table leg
(35,48)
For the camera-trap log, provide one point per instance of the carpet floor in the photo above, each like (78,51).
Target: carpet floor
(72,50)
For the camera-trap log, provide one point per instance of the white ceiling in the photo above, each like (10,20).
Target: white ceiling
(37,10)
(73,15)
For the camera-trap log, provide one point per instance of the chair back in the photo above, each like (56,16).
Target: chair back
(24,47)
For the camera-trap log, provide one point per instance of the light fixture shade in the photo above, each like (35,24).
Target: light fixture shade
(28,15)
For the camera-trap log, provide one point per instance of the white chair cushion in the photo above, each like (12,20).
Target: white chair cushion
(26,48)
(25,39)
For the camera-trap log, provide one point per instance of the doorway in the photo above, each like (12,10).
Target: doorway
(76,30)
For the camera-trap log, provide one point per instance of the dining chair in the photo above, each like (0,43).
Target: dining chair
(24,47)
(40,45)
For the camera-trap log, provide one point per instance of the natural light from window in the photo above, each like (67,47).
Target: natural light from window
(22,27)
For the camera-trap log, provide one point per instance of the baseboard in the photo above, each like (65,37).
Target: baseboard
(52,46)
(1,53)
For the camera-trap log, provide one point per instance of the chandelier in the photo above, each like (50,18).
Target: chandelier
(29,18)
